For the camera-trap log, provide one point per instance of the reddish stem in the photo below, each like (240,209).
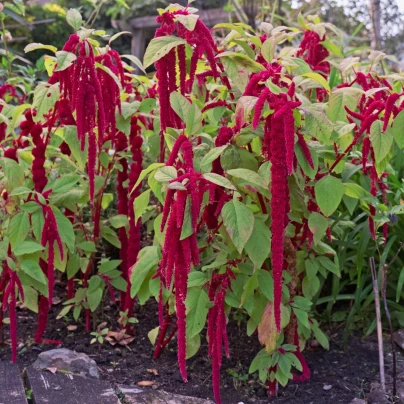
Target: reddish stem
(160,343)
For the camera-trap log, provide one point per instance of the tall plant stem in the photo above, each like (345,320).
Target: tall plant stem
(3,28)
(378,322)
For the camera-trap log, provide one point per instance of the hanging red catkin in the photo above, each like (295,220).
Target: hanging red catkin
(10,300)
(110,96)
(278,209)
(217,322)
(133,248)
(89,106)
(122,193)
(389,109)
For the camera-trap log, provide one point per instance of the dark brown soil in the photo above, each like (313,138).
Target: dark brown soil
(348,372)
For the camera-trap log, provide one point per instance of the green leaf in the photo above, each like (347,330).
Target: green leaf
(239,223)
(65,183)
(197,278)
(398,132)
(340,98)
(65,229)
(118,221)
(188,112)
(321,338)
(94,298)
(141,203)
(250,176)
(318,225)
(145,173)
(27,247)
(148,258)
(13,172)
(120,284)
(34,46)
(165,174)
(74,19)
(188,21)
(208,158)
(381,142)
(129,108)
(243,60)
(329,191)
(18,228)
(45,97)
(318,125)
(197,304)
(108,234)
(64,60)
(193,345)
(88,246)
(258,245)
(266,284)
(219,180)
(135,61)
(302,317)
(159,47)
(32,268)
(319,78)
(310,286)
(70,135)
(354,190)
(110,73)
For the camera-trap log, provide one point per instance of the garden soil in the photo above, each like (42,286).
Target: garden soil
(338,375)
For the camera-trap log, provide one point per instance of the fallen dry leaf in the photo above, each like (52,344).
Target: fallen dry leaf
(56,300)
(154,371)
(119,337)
(146,383)
(71,327)
(52,370)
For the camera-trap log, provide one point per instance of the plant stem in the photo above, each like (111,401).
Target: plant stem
(3,28)
(378,322)
(160,342)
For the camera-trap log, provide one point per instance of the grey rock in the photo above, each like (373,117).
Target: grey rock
(357,401)
(67,360)
(134,395)
(377,396)
(398,338)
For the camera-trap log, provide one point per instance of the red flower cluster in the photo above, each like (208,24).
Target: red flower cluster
(278,144)
(178,252)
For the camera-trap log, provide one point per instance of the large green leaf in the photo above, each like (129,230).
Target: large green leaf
(13,172)
(318,225)
(159,47)
(258,245)
(197,304)
(340,98)
(188,112)
(45,97)
(398,132)
(148,258)
(74,19)
(32,268)
(381,142)
(18,228)
(329,191)
(239,223)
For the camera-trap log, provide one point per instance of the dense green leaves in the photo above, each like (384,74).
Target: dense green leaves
(329,191)
(239,223)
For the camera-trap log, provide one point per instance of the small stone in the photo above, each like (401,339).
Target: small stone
(327,387)
(357,401)
(110,370)
(377,396)
(70,361)
(57,388)
(398,338)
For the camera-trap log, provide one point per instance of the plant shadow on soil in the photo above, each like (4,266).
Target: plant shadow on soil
(348,372)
